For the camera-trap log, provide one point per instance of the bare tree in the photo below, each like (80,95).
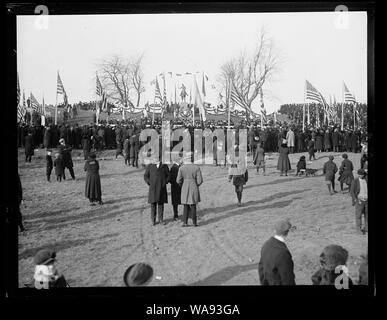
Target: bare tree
(122,79)
(246,74)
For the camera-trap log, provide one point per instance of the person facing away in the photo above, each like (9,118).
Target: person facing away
(329,170)
(259,157)
(49,165)
(93,190)
(175,188)
(283,164)
(301,166)
(345,173)
(311,150)
(190,178)
(156,177)
(46,275)
(239,176)
(59,168)
(276,265)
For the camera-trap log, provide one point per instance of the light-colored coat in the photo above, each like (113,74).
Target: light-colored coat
(190,178)
(290,138)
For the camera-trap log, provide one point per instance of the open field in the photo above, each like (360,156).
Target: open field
(96,244)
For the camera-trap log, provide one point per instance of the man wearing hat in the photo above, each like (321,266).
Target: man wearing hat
(156,176)
(65,151)
(330,169)
(190,178)
(359,194)
(138,274)
(276,265)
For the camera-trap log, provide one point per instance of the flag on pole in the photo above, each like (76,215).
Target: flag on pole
(59,87)
(198,101)
(348,96)
(312,93)
(158,92)
(263,110)
(43,109)
(17,90)
(165,92)
(98,89)
(34,103)
(20,109)
(204,87)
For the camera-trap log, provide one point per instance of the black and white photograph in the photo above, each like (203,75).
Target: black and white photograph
(195,149)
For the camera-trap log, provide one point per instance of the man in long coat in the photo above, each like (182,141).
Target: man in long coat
(156,176)
(175,189)
(190,178)
(29,146)
(65,151)
(276,265)
(336,140)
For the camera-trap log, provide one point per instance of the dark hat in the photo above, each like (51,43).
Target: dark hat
(345,156)
(282,226)
(92,156)
(361,172)
(331,157)
(138,274)
(44,256)
(333,256)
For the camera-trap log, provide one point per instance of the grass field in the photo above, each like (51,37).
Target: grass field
(96,244)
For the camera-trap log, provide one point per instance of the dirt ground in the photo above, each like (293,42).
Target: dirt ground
(95,245)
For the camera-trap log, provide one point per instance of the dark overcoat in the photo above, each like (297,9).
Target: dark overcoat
(93,181)
(157,179)
(283,159)
(29,145)
(327,140)
(47,138)
(65,151)
(175,187)
(276,265)
(329,169)
(345,171)
(335,139)
(319,142)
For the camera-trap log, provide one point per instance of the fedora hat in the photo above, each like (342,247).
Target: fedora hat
(138,274)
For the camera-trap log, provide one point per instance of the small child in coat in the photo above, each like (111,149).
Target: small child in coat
(301,166)
(259,157)
(330,169)
(59,168)
(49,165)
(311,150)
(46,275)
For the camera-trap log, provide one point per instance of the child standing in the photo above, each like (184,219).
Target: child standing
(330,169)
(58,164)
(259,157)
(311,150)
(49,165)
(301,165)
(239,176)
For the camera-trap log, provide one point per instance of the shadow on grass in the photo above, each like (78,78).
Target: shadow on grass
(278,181)
(111,175)
(58,246)
(224,275)
(242,210)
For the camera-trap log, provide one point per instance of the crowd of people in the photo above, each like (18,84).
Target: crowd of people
(185,177)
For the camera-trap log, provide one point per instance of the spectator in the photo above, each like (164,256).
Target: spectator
(46,275)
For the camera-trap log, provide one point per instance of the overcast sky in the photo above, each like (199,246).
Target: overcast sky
(311,45)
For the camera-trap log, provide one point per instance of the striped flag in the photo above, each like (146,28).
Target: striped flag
(348,96)
(165,92)
(263,110)
(34,103)
(239,100)
(158,92)
(59,86)
(98,89)
(198,101)
(312,93)
(17,90)
(20,109)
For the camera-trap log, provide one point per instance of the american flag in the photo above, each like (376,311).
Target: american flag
(348,96)
(59,87)
(238,99)
(99,89)
(34,103)
(311,93)
(20,109)
(165,91)
(158,93)
(263,110)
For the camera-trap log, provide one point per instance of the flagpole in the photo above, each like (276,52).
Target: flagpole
(56,108)
(303,111)
(229,111)
(354,115)
(342,108)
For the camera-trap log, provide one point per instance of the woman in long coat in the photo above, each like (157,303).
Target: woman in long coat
(345,172)
(93,182)
(283,159)
(327,141)
(29,147)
